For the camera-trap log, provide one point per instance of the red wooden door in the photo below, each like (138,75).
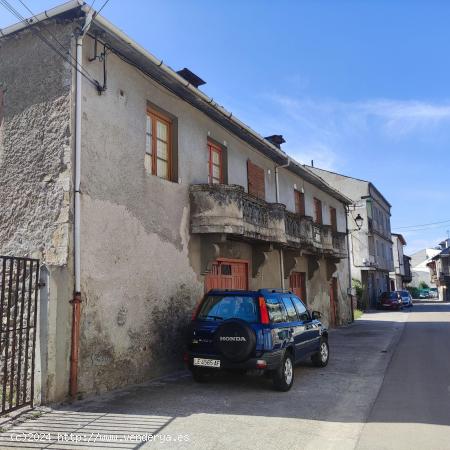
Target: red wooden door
(333,302)
(227,274)
(297,284)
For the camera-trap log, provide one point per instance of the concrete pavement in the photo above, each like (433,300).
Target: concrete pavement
(326,409)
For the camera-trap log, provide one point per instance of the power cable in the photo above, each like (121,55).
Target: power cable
(43,38)
(104,4)
(422,225)
(67,52)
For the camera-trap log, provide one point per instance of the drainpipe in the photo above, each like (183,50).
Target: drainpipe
(277,196)
(76,301)
(349,262)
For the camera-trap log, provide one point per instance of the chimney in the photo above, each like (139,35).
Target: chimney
(276,139)
(191,77)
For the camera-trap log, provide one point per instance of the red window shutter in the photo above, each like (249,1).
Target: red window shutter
(333,219)
(318,211)
(256,180)
(299,202)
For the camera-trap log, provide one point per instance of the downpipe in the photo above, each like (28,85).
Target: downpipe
(76,301)
(277,196)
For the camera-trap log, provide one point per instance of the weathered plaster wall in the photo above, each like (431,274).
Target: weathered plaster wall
(35,176)
(141,272)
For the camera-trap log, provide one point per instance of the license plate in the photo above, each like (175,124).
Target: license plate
(206,362)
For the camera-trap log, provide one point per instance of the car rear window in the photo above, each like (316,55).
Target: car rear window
(223,307)
(276,310)
(389,295)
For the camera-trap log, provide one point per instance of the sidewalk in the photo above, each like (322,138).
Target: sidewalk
(326,408)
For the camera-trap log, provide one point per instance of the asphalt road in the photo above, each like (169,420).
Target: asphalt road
(412,409)
(386,386)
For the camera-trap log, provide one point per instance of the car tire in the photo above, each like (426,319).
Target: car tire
(321,358)
(283,377)
(200,375)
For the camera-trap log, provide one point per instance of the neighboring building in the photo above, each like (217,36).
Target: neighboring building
(420,271)
(176,196)
(371,246)
(398,275)
(440,270)
(407,278)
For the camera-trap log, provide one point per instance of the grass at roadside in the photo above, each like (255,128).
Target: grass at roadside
(357,313)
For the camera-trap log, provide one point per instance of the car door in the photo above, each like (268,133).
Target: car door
(311,328)
(281,334)
(296,327)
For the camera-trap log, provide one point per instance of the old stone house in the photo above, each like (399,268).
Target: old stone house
(137,192)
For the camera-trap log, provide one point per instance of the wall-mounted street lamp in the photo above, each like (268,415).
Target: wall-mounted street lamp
(359,221)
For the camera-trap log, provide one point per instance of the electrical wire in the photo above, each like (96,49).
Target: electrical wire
(55,38)
(104,4)
(426,225)
(44,39)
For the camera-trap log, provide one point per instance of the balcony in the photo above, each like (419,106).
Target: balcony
(228,209)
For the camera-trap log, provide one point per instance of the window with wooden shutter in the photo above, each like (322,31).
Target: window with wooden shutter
(158,151)
(317,211)
(256,180)
(333,219)
(299,202)
(215,164)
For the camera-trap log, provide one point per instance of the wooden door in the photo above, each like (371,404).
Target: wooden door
(297,284)
(227,274)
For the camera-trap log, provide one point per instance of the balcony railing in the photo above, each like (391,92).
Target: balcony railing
(228,209)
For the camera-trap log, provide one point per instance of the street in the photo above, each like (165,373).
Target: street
(386,386)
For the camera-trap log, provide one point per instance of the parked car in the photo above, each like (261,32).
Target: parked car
(406,299)
(266,330)
(391,300)
(434,293)
(424,293)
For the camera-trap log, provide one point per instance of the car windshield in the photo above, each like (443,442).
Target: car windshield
(223,307)
(404,294)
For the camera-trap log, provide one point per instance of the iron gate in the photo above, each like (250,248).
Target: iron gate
(19,280)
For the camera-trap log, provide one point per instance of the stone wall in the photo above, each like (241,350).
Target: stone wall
(35,176)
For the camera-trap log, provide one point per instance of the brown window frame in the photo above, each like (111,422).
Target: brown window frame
(299,198)
(214,148)
(318,219)
(155,117)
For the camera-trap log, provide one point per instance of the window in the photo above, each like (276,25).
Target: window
(301,310)
(218,307)
(333,219)
(290,309)
(215,165)
(317,211)
(256,180)
(276,310)
(158,151)
(299,202)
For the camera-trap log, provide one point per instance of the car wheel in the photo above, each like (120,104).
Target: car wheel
(283,377)
(200,375)
(320,359)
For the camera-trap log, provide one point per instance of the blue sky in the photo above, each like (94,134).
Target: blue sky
(362,87)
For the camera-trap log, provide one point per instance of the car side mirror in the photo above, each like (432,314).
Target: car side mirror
(316,315)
